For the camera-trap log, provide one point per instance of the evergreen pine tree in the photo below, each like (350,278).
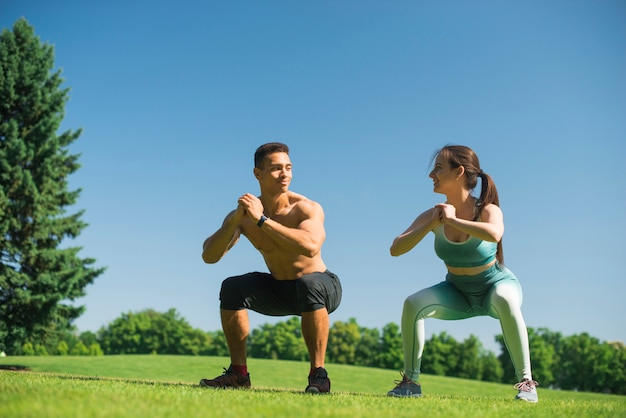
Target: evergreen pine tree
(37,274)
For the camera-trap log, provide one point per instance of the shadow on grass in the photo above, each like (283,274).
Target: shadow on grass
(14,367)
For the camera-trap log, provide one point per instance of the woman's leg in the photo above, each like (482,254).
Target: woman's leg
(506,302)
(442,301)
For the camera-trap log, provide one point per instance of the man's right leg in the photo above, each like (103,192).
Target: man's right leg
(259,292)
(237,296)
(236,327)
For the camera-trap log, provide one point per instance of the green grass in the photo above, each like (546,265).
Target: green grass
(166,386)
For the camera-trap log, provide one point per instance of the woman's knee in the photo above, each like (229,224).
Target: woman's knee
(506,298)
(416,302)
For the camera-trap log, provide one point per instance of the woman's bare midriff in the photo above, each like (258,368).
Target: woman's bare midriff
(470,271)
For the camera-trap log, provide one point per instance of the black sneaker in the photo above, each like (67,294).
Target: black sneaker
(230,379)
(406,388)
(318,381)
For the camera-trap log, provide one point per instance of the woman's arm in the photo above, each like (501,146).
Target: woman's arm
(421,226)
(489,228)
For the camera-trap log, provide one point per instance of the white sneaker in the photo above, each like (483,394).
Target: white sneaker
(527,391)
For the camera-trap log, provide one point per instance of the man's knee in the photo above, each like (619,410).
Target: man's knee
(230,294)
(316,292)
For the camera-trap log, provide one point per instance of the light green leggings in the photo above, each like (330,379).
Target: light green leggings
(495,292)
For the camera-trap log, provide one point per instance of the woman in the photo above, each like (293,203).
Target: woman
(468,238)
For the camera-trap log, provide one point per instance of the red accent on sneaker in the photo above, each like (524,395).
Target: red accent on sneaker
(242,370)
(230,379)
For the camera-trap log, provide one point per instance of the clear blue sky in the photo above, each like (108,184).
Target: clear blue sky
(174,97)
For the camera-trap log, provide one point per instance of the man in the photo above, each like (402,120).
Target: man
(288,230)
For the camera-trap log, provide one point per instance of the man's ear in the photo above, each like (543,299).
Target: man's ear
(257,173)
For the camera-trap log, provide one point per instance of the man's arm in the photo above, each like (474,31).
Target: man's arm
(218,244)
(306,238)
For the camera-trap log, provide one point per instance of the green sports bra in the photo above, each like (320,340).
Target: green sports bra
(472,252)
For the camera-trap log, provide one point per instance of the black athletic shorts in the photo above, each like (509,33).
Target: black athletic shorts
(262,293)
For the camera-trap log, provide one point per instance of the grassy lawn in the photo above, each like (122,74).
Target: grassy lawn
(166,386)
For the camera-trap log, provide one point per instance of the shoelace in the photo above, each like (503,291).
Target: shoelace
(226,375)
(526,385)
(319,374)
(405,380)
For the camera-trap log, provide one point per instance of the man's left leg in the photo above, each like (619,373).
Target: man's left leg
(318,295)
(315,328)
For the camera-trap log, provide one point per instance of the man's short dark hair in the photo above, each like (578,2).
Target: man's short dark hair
(266,149)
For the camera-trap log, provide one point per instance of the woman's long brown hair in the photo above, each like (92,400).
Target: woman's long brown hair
(459,155)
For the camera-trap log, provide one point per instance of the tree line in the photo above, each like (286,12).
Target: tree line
(577,362)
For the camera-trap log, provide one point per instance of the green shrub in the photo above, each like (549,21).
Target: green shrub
(62,348)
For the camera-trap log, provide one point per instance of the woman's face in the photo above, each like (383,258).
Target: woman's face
(443,175)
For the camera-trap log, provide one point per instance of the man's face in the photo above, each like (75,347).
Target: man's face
(275,175)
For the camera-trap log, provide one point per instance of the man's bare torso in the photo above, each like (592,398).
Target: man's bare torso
(284,263)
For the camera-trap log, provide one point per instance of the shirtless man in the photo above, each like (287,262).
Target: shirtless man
(288,230)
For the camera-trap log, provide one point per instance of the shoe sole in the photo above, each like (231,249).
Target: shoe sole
(412,395)
(204,385)
(314,390)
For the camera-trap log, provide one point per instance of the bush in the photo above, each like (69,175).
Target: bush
(95,350)
(79,349)
(62,348)
(28,349)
